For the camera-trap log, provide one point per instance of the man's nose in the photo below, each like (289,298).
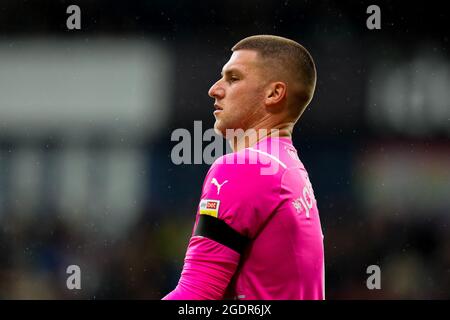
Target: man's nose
(216,91)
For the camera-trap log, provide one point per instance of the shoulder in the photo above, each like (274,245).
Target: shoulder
(250,161)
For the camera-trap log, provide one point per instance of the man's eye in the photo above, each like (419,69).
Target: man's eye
(233,79)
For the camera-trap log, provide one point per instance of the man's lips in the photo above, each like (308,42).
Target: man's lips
(218,109)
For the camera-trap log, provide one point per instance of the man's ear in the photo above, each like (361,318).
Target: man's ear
(275,93)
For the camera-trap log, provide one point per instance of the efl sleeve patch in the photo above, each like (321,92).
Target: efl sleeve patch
(209,207)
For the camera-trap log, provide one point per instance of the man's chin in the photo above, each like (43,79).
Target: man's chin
(219,130)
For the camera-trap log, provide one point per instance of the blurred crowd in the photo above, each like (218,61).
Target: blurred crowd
(386,206)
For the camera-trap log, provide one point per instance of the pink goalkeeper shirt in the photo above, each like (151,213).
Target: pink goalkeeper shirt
(272,247)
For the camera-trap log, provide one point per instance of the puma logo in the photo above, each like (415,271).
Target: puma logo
(216,183)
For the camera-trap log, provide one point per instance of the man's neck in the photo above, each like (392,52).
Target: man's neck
(252,136)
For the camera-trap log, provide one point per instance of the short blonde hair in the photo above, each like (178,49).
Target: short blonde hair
(292,58)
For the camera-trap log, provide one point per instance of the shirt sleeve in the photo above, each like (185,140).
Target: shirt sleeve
(208,268)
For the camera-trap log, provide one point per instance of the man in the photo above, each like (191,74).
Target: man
(257,233)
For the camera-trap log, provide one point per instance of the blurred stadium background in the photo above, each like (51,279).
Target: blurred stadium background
(86,118)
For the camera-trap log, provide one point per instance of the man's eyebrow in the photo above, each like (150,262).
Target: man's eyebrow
(231,70)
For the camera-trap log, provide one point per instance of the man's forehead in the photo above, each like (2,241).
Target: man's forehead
(241,60)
